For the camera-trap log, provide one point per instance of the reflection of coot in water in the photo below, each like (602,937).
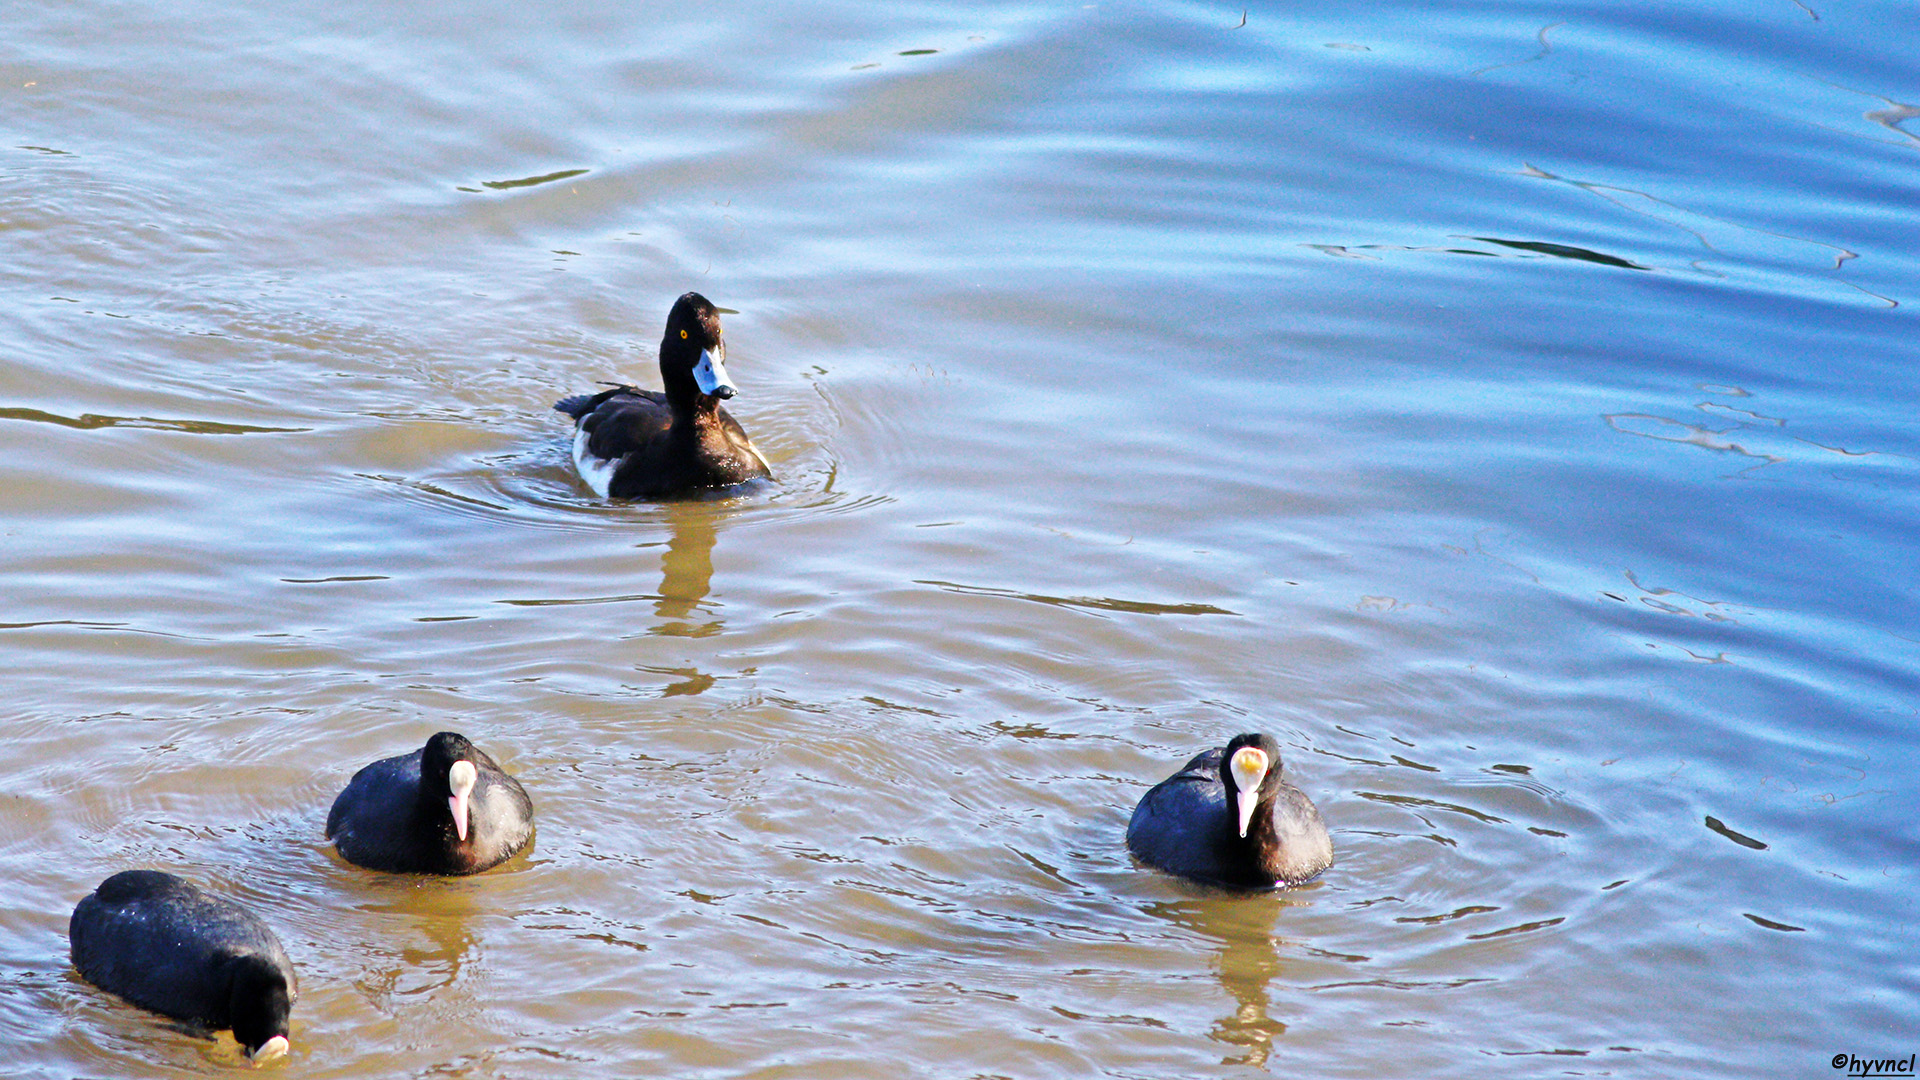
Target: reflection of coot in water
(631,443)
(1228,818)
(165,945)
(446,808)
(1242,926)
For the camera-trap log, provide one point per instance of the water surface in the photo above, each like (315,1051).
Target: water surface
(1507,407)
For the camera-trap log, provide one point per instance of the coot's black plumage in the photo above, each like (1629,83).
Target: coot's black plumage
(446,808)
(164,944)
(636,444)
(1228,818)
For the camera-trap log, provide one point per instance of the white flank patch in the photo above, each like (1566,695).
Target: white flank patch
(596,471)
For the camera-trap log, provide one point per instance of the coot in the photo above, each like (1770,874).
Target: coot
(1228,818)
(446,808)
(166,945)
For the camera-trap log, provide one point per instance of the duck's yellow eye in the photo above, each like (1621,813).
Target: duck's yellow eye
(683,335)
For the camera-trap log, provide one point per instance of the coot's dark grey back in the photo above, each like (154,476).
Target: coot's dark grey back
(365,815)
(166,945)
(1180,821)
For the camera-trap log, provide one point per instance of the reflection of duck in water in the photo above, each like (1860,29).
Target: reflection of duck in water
(686,567)
(1228,818)
(631,443)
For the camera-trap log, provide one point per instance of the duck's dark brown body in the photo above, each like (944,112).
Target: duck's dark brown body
(656,451)
(631,443)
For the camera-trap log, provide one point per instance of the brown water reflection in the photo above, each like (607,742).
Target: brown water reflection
(686,572)
(1247,964)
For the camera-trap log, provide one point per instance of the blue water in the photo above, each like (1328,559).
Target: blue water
(1508,407)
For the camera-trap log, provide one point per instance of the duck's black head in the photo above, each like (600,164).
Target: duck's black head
(449,765)
(260,1003)
(693,354)
(1250,769)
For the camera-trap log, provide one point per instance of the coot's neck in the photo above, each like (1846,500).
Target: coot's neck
(1262,842)
(1256,855)
(433,809)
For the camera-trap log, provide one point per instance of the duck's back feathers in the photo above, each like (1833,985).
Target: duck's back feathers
(619,421)
(629,444)
(579,406)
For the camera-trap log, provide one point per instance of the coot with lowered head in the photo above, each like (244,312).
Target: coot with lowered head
(164,944)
